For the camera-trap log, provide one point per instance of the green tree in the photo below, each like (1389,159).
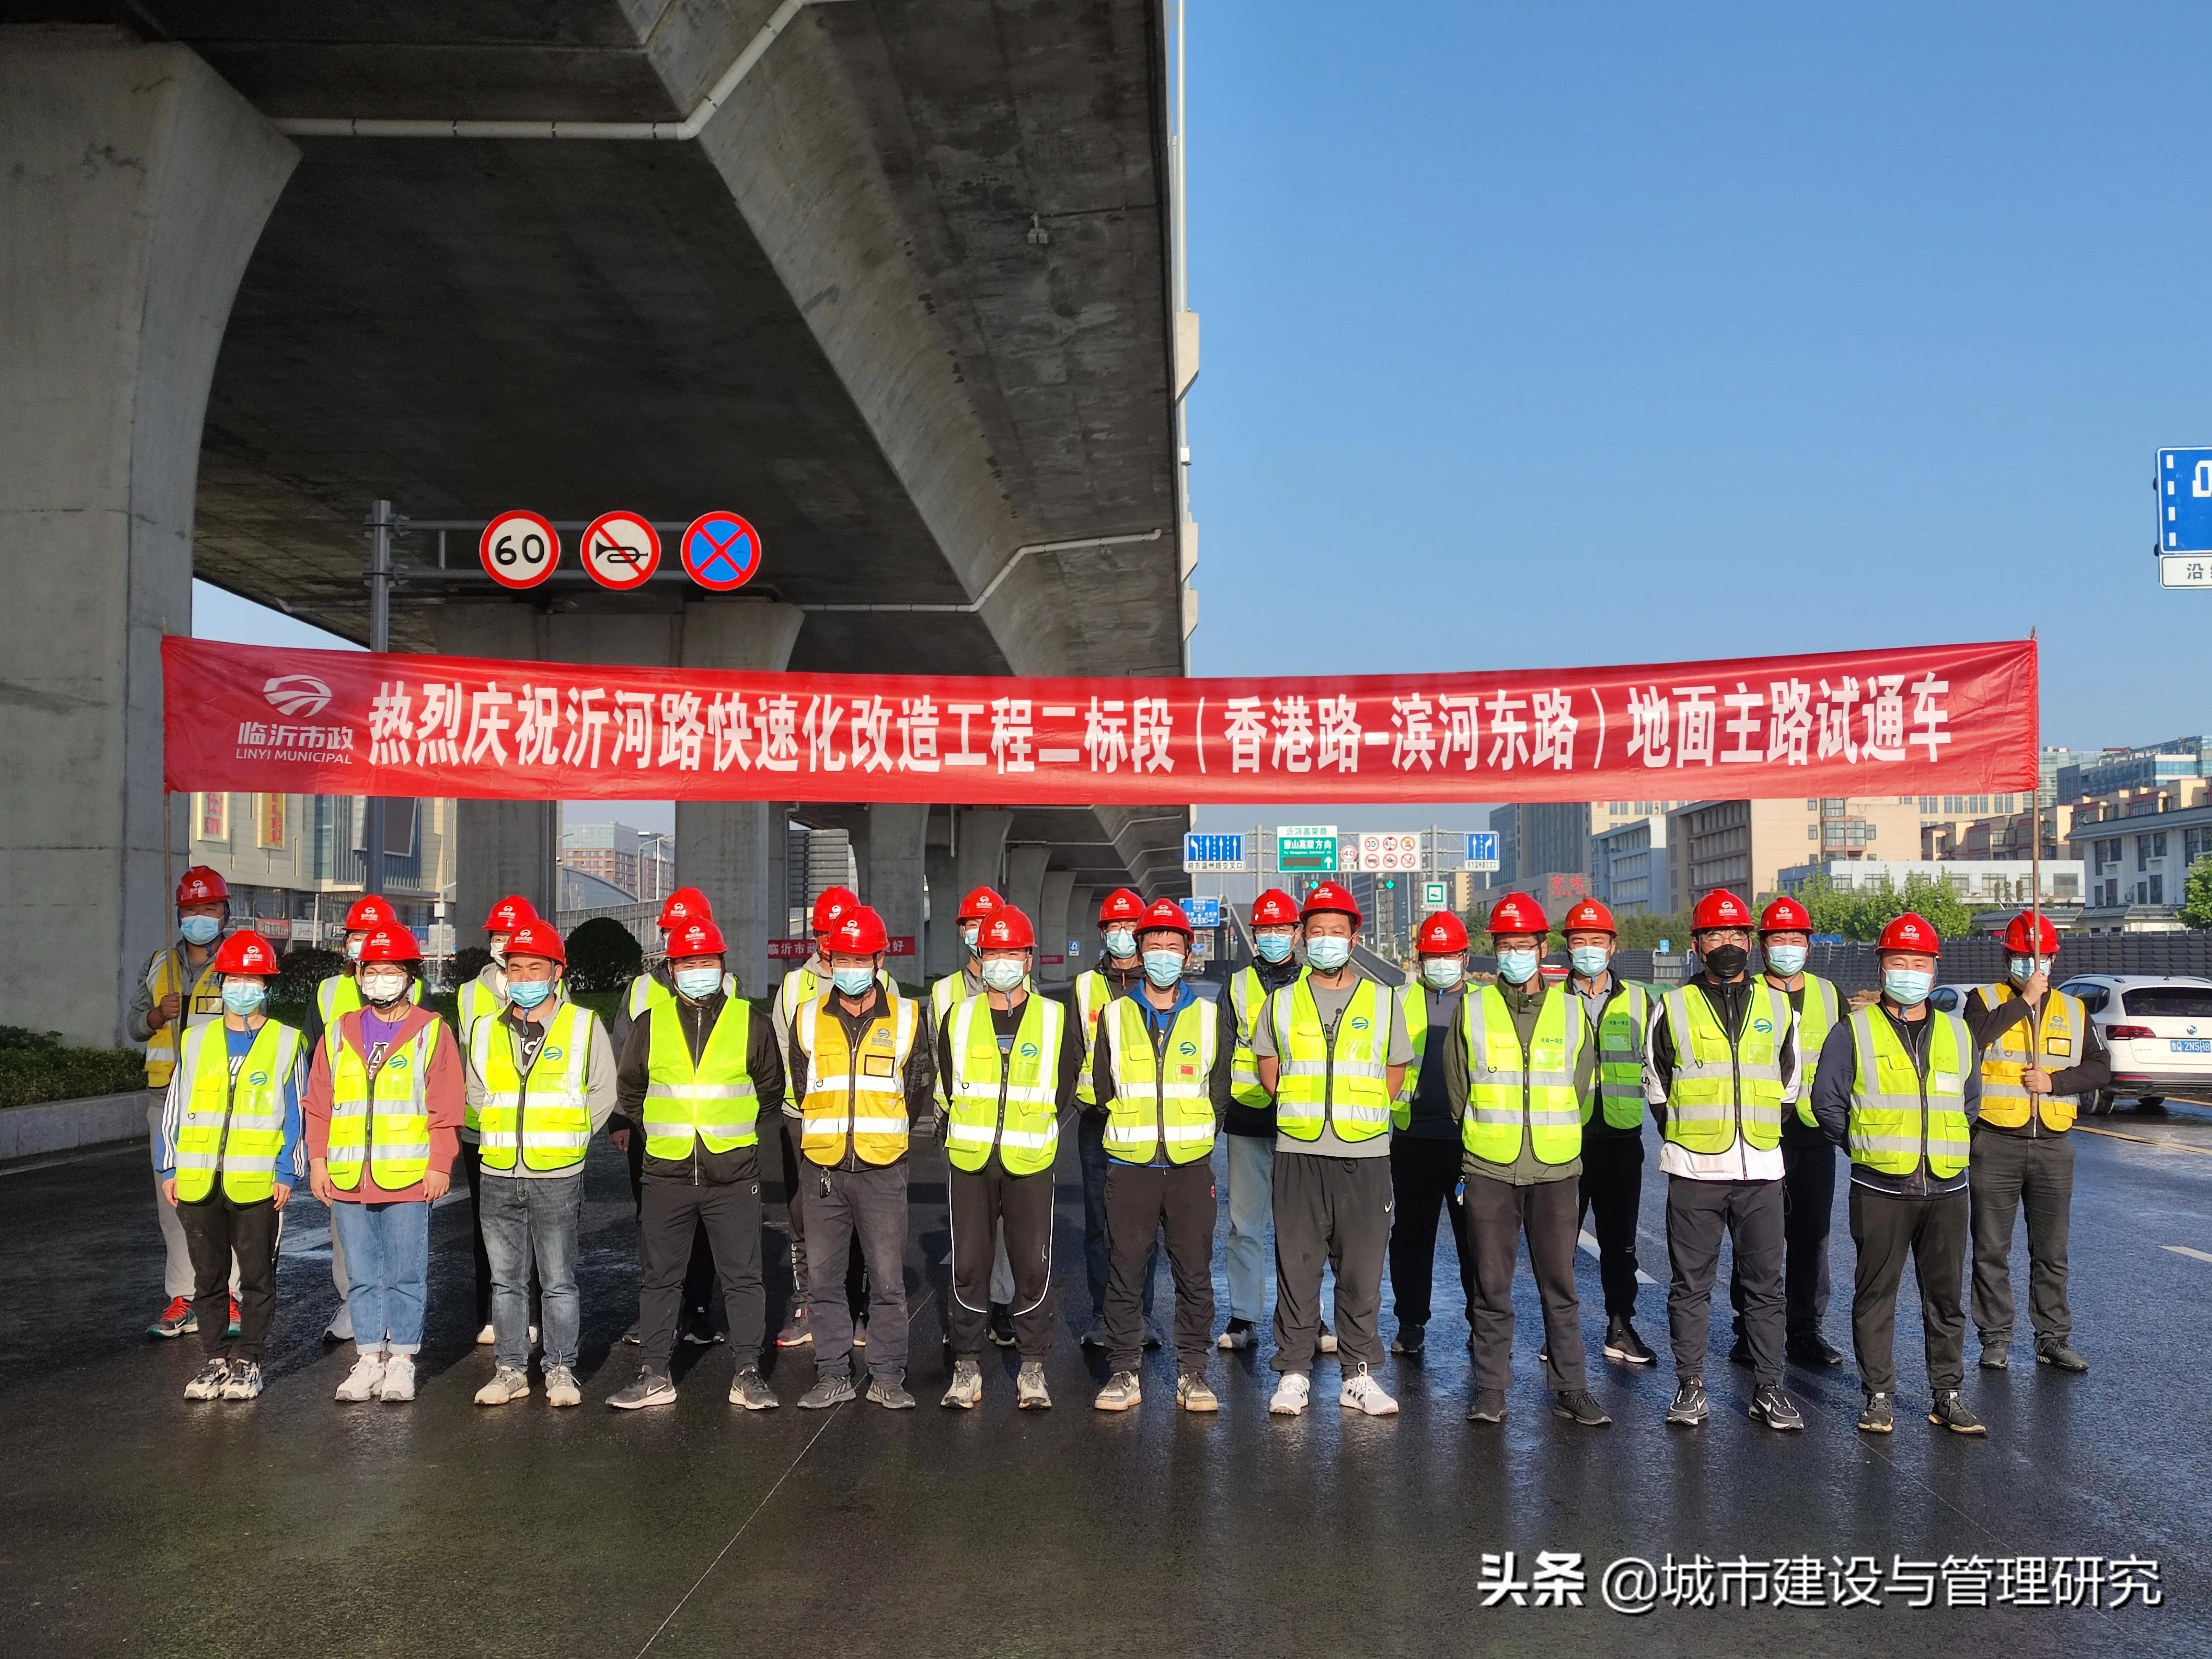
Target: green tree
(2196,898)
(1643,932)
(603,956)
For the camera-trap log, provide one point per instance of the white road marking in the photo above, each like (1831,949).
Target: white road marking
(2183,1250)
(1588,1242)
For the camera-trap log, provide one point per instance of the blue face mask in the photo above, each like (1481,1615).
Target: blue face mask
(1328,952)
(1589,960)
(1163,968)
(2023,968)
(1787,960)
(1441,973)
(1272,947)
(528,993)
(698,984)
(1906,988)
(853,981)
(243,996)
(1517,967)
(1002,972)
(1120,943)
(199,930)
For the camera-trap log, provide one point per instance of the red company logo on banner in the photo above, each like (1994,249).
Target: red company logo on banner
(1892,722)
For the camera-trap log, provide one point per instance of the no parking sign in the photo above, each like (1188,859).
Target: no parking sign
(721,551)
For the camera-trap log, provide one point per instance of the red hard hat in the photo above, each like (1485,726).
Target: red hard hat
(832,903)
(1589,917)
(979,904)
(1517,912)
(2016,935)
(370,911)
(1274,908)
(245,952)
(1163,913)
(1443,934)
(509,914)
(1327,897)
(685,904)
(1121,905)
(1910,932)
(201,885)
(1719,909)
(536,938)
(859,933)
(391,943)
(1785,915)
(696,938)
(1008,929)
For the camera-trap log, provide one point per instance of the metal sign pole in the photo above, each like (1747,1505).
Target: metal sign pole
(380,639)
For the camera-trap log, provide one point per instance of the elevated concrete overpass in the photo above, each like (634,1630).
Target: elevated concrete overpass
(906,300)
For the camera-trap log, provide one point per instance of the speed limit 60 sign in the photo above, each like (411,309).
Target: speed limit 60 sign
(519,549)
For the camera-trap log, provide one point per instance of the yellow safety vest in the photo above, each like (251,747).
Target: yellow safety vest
(1009,1101)
(1725,1084)
(235,1126)
(476,1001)
(1510,1088)
(1334,1078)
(551,1102)
(646,991)
(1161,1095)
(1094,994)
(2057,1034)
(1622,1029)
(1823,1010)
(166,975)
(946,995)
(1248,999)
(389,1126)
(856,1096)
(1900,1115)
(340,994)
(1413,1004)
(714,1100)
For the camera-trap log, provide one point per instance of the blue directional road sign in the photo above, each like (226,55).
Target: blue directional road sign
(2184,500)
(1214,855)
(1481,850)
(1203,912)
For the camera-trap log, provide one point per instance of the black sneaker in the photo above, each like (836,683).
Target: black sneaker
(1579,1406)
(1489,1406)
(1813,1352)
(1412,1341)
(1622,1343)
(1741,1353)
(1776,1409)
(2056,1352)
(796,1331)
(1996,1357)
(891,1393)
(1877,1417)
(1002,1325)
(1241,1334)
(1690,1405)
(635,1336)
(832,1390)
(1949,1412)
(650,1388)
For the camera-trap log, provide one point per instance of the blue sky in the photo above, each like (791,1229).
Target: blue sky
(1548,334)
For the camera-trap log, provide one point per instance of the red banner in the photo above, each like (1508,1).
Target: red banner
(1894,722)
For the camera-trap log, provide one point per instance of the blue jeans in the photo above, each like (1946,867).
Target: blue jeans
(387,1252)
(526,1220)
(1251,1219)
(1091,1151)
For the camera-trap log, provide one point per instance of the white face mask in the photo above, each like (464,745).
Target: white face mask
(1002,972)
(1441,973)
(1327,952)
(382,986)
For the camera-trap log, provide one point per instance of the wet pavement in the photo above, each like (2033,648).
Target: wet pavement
(133,1520)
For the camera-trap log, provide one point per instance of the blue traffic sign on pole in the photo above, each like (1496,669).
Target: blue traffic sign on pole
(2184,500)
(1203,909)
(1218,854)
(1481,850)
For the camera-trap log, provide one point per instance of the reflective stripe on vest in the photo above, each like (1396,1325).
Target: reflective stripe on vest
(552,1102)
(475,1002)
(1161,1095)
(713,1101)
(2058,1028)
(392,1127)
(1724,1084)
(1622,1030)
(340,994)
(1509,1088)
(1092,996)
(1337,1079)
(855,1097)
(1014,1107)
(1413,1005)
(1248,999)
(1822,1013)
(238,1130)
(946,994)
(166,975)
(1899,1115)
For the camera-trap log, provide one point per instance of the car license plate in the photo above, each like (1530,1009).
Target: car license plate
(2191,1045)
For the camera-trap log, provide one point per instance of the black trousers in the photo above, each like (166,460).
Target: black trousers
(1336,1212)
(214,1229)
(1611,1194)
(856,1274)
(1139,1199)
(1808,1210)
(2008,1174)
(979,1200)
(698,1273)
(1425,1178)
(671,1214)
(1498,1213)
(1750,1214)
(1934,1231)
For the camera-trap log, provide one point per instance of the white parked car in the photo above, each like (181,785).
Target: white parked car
(2158,1030)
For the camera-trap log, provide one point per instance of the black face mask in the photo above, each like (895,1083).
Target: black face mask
(1727,961)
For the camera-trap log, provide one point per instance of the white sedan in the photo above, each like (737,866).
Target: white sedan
(2158,1030)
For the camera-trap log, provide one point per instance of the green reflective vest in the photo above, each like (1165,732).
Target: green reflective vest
(1161,1096)
(1413,1005)
(946,995)
(647,991)
(1094,994)
(1622,1030)
(234,1125)
(386,1125)
(1900,1114)
(713,1100)
(1725,1084)
(1335,1078)
(1009,1101)
(476,1002)
(340,994)
(546,1114)
(1247,999)
(1823,1010)
(1510,1090)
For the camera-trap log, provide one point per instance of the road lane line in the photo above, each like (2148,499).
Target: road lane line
(2183,1250)
(2145,1140)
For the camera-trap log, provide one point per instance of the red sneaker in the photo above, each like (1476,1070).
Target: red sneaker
(178,1319)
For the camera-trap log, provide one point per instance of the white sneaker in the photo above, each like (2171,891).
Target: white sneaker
(340,1330)
(399,1382)
(506,1383)
(485,1337)
(1291,1395)
(560,1388)
(1362,1393)
(533,1336)
(363,1379)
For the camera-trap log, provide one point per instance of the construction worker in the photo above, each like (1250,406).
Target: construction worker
(482,996)
(1897,1087)
(1424,1148)
(1332,1051)
(1521,1067)
(947,993)
(1247,1112)
(2041,1059)
(384,1106)
(228,1153)
(1009,1059)
(1721,1072)
(177,991)
(541,1082)
(863,1065)
(1808,1157)
(1155,1068)
(697,1069)
(1611,1189)
(1118,974)
(802,985)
